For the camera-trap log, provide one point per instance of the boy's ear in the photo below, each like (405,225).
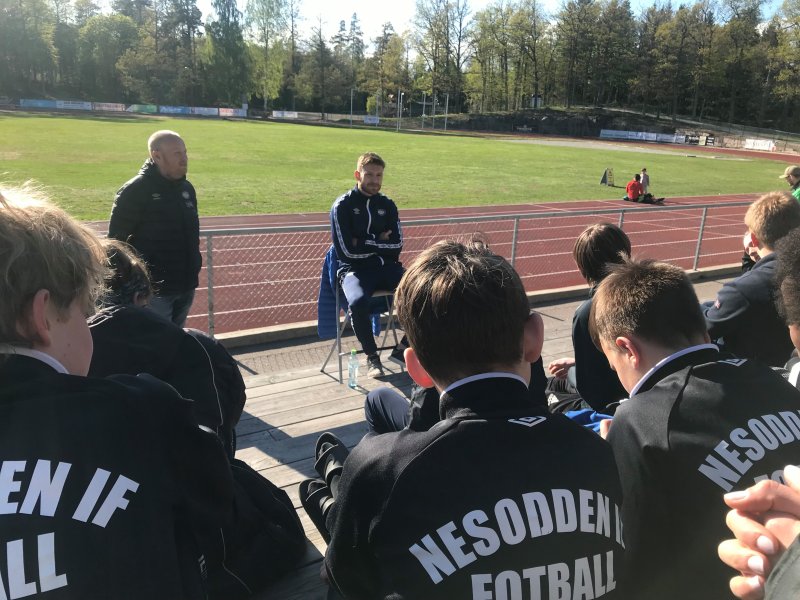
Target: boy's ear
(34,326)
(533,338)
(357,175)
(630,347)
(416,370)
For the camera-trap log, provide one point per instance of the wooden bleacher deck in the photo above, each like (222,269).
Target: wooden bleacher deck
(276,435)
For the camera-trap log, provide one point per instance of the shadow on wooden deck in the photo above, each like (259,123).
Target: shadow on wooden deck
(277,433)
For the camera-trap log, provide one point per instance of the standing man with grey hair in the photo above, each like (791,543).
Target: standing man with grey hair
(156,213)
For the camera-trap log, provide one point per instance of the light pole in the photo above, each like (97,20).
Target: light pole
(351,107)
(446,108)
(399,108)
(423,110)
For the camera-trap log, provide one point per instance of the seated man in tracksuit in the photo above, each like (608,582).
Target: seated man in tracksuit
(498,499)
(698,423)
(366,233)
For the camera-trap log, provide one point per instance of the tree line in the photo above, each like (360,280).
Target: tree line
(711,59)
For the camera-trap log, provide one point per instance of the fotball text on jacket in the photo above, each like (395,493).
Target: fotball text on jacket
(535,514)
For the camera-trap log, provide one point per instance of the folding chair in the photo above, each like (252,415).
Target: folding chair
(386,298)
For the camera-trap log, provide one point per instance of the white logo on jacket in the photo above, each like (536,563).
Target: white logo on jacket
(527,421)
(185,195)
(381,211)
(356,211)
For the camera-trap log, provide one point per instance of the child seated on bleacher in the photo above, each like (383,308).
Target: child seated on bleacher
(499,496)
(588,373)
(103,481)
(698,423)
(129,338)
(263,539)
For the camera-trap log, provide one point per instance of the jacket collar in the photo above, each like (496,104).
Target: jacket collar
(763,262)
(16,368)
(698,355)
(150,169)
(494,395)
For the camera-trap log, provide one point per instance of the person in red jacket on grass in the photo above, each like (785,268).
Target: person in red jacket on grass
(634,190)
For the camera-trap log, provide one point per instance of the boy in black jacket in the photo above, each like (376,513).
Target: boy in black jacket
(103,482)
(698,424)
(498,499)
(743,319)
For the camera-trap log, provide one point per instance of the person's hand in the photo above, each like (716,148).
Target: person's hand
(558,368)
(765,521)
(750,248)
(605,427)
(384,235)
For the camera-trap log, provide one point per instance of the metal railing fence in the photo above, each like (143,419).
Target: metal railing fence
(255,278)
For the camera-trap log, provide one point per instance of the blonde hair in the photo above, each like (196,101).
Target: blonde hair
(43,247)
(772,216)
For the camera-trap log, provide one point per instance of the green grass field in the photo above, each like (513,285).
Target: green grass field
(260,167)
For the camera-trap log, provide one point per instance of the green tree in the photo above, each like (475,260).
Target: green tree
(226,55)
(103,41)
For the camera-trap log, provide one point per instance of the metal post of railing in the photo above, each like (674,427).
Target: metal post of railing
(621,218)
(700,238)
(514,242)
(210,278)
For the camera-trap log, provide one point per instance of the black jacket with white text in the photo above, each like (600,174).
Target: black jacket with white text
(102,484)
(701,425)
(497,495)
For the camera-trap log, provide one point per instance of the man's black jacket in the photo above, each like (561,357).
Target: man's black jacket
(158,217)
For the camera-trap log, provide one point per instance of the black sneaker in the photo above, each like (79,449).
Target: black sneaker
(374,367)
(397,356)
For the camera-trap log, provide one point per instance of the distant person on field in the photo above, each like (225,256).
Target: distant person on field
(792,176)
(634,190)
(497,496)
(588,373)
(699,423)
(744,319)
(645,179)
(156,213)
(104,481)
(366,232)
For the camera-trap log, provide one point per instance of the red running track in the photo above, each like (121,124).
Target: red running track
(271,279)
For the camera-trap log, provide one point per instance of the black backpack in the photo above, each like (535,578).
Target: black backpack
(263,541)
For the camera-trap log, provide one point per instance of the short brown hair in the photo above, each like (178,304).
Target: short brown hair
(598,245)
(653,300)
(127,275)
(42,247)
(369,158)
(463,309)
(772,216)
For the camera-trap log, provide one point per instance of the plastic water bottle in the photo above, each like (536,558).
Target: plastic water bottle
(352,370)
